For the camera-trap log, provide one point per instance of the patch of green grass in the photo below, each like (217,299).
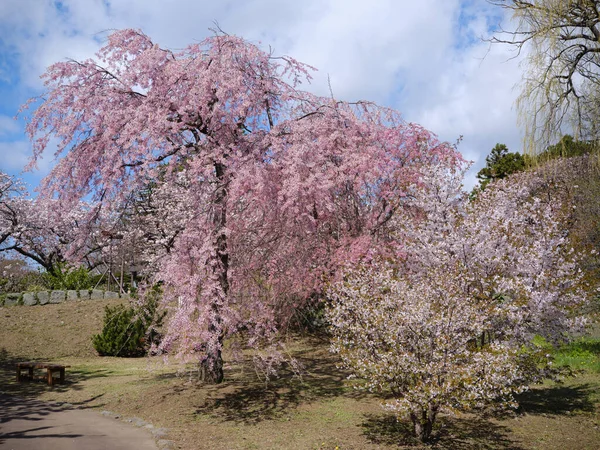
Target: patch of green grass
(582,354)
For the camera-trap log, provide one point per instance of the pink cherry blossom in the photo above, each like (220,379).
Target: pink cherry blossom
(263,191)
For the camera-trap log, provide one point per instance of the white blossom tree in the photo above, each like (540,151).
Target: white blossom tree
(445,328)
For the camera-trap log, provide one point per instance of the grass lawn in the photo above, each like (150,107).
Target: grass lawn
(319,411)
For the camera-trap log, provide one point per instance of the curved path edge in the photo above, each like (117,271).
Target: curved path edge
(28,424)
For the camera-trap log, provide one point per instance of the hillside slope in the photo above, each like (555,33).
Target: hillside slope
(51,331)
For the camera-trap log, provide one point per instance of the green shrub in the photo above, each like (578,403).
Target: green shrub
(68,278)
(129,331)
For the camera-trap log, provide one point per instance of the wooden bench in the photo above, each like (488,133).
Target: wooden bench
(50,369)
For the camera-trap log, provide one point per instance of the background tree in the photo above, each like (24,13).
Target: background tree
(572,179)
(43,234)
(447,327)
(574,182)
(284,187)
(40,231)
(16,275)
(560,87)
(567,147)
(498,164)
(10,188)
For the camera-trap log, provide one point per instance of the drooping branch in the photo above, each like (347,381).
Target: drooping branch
(560,88)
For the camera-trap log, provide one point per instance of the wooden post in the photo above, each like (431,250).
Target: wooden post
(121,290)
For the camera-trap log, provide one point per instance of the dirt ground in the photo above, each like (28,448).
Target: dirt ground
(320,410)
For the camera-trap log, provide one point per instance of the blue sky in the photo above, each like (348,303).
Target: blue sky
(425,59)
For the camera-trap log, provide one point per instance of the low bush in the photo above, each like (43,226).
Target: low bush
(130,331)
(68,278)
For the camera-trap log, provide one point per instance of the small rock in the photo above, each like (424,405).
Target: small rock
(29,299)
(165,444)
(11,299)
(159,433)
(57,296)
(96,294)
(43,297)
(137,422)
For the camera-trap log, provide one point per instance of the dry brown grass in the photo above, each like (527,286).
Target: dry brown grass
(52,331)
(318,411)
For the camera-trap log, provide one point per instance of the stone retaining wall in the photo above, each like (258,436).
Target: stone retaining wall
(46,297)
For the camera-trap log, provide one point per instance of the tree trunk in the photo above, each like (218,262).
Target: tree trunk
(423,423)
(211,367)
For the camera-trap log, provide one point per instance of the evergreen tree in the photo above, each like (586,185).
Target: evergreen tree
(498,164)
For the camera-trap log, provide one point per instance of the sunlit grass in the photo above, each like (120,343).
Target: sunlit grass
(582,354)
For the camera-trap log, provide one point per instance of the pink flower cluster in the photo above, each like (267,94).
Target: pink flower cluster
(258,192)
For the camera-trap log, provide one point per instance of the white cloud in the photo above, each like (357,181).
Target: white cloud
(13,156)
(424,58)
(8,126)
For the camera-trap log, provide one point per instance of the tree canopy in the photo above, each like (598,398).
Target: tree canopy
(282,188)
(450,325)
(40,230)
(500,163)
(560,90)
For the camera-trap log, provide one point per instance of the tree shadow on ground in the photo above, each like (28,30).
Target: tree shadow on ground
(18,408)
(451,433)
(245,399)
(34,388)
(29,410)
(557,400)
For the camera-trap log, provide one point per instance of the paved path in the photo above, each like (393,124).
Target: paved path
(27,424)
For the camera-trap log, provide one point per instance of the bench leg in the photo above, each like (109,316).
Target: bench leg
(21,377)
(50,379)
(62,375)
